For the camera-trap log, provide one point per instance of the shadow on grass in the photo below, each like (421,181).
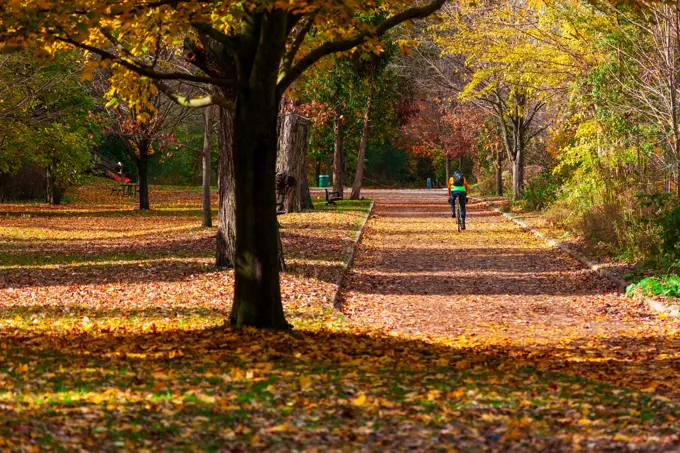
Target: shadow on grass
(135,248)
(131,272)
(220,390)
(133,213)
(147,258)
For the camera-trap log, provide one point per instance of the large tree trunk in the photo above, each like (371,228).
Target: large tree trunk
(208,114)
(226,211)
(290,166)
(143,173)
(499,172)
(257,294)
(53,190)
(338,161)
(359,176)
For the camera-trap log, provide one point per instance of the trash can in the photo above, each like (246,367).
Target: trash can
(429,183)
(323,181)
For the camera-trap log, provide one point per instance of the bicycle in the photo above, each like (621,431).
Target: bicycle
(459,215)
(455,211)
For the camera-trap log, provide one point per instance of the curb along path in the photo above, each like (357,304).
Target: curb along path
(656,306)
(352,252)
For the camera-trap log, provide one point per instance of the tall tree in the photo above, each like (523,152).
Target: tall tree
(225,254)
(514,58)
(359,175)
(338,149)
(441,130)
(262,47)
(646,69)
(143,132)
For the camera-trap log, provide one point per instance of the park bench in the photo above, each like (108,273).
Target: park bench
(129,189)
(332,197)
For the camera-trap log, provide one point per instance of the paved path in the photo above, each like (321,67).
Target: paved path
(415,274)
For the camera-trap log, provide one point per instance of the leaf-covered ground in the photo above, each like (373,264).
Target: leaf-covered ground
(599,372)
(111,339)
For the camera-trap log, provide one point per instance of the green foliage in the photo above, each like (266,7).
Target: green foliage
(347,83)
(664,212)
(387,163)
(542,190)
(46,119)
(66,151)
(666,286)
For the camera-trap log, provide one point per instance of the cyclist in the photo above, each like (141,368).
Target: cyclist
(458,188)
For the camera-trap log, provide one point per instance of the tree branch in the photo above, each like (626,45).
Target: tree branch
(299,39)
(147,70)
(285,79)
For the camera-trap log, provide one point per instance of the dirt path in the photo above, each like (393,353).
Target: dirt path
(416,274)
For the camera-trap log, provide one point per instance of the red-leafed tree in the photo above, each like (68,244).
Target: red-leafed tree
(143,134)
(441,129)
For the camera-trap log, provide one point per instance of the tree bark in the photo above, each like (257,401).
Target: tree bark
(359,176)
(53,190)
(208,114)
(338,161)
(257,293)
(290,165)
(499,172)
(143,173)
(518,175)
(448,169)
(226,212)
(513,131)
(306,196)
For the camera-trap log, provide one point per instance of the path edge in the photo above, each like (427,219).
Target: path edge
(350,259)
(654,305)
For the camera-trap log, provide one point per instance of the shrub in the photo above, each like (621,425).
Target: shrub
(620,225)
(667,286)
(663,211)
(541,190)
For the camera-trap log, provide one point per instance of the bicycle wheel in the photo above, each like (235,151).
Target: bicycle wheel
(459,216)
